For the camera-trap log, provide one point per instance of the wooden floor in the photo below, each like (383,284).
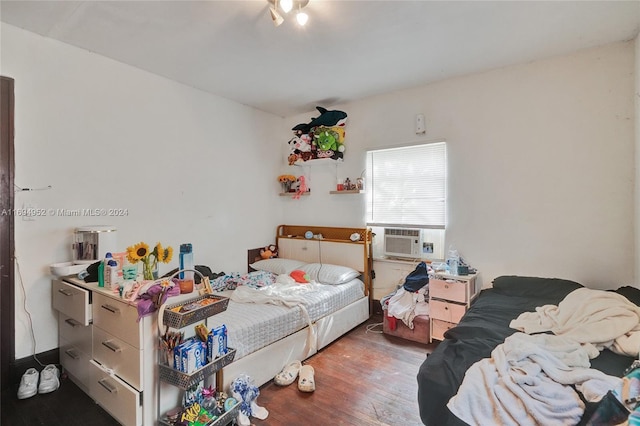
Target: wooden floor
(364,378)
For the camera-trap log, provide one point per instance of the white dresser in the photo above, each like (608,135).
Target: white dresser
(106,351)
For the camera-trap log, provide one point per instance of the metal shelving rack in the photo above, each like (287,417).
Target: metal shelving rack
(184,381)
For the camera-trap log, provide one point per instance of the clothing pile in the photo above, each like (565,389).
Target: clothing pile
(410,299)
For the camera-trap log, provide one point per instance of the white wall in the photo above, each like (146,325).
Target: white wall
(637,159)
(541,161)
(541,164)
(188,166)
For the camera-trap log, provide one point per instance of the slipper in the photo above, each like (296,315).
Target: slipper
(307,383)
(288,374)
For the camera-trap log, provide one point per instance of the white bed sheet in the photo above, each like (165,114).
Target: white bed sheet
(252,326)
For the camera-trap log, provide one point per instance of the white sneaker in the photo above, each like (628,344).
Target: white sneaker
(49,379)
(28,384)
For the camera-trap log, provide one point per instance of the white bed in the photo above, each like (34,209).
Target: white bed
(267,337)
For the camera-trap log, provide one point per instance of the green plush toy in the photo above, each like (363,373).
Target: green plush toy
(329,138)
(326,140)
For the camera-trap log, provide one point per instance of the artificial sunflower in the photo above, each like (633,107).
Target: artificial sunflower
(286,178)
(163,254)
(137,252)
(140,252)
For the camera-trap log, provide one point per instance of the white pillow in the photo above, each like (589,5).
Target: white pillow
(329,274)
(277,265)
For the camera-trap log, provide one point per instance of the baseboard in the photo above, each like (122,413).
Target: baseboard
(19,366)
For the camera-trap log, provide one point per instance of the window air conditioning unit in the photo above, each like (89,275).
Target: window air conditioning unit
(402,242)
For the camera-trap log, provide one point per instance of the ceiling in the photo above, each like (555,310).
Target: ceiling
(349,50)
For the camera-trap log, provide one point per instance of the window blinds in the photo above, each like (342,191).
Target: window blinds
(406,186)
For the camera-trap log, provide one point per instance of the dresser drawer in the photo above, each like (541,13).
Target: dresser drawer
(119,356)
(75,362)
(438,328)
(117,318)
(71,300)
(74,333)
(115,396)
(450,290)
(446,311)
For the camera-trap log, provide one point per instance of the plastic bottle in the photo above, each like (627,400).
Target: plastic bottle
(453,260)
(105,270)
(101,274)
(112,274)
(186,261)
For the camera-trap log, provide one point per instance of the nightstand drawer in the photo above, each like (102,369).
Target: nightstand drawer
(71,300)
(117,318)
(439,327)
(449,290)
(446,311)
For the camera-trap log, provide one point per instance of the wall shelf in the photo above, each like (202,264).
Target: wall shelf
(317,162)
(349,191)
(291,194)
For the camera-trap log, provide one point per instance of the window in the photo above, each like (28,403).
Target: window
(406,186)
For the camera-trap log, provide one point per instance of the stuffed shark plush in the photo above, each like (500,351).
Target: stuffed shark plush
(328,118)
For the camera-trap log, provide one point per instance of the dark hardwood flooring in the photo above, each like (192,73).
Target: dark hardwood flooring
(364,378)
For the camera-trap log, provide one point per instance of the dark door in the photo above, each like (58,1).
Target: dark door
(7,291)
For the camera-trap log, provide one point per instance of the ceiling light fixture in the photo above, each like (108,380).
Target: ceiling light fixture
(279,7)
(301,17)
(286,5)
(275,16)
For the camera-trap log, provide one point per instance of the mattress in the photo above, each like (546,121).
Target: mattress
(486,325)
(252,326)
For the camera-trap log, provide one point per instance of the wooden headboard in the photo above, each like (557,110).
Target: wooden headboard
(329,245)
(334,247)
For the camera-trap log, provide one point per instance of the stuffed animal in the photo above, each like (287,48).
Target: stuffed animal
(301,129)
(329,118)
(326,139)
(269,252)
(244,390)
(322,137)
(299,276)
(302,188)
(330,141)
(300,144)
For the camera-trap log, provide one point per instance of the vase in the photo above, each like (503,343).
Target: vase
(149,269)
(286,186)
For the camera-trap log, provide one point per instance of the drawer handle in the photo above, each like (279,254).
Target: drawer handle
(107,386)
(72,322)
(65,292)
(111,309)
(111,346)
(446,308)
(446,286)
(72,354)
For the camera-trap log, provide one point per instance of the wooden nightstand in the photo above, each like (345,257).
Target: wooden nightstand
(449,298)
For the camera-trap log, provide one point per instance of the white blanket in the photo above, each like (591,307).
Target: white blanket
(604,319)
(406,305)
(285,292)
(527,382)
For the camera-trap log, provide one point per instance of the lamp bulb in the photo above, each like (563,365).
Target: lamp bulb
(286,5)
(302,18)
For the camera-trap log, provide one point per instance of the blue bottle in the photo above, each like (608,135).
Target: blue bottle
(186,261)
